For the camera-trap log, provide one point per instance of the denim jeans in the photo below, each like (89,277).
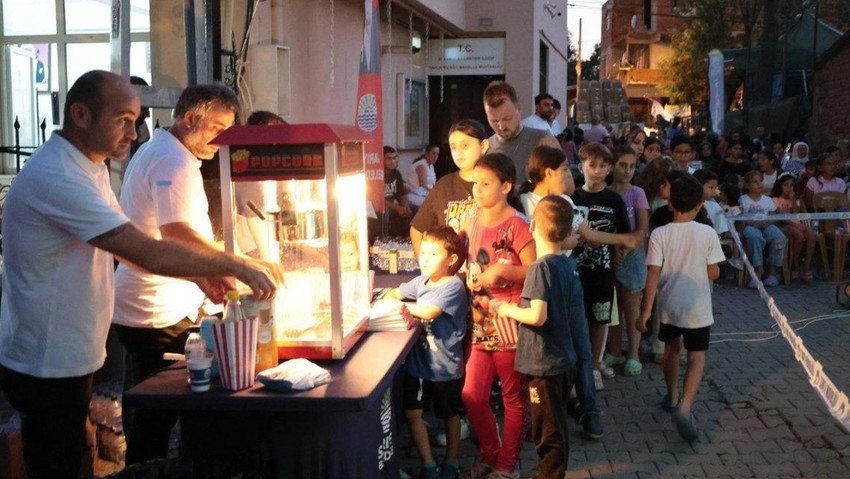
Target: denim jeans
(771,237)
(585,386)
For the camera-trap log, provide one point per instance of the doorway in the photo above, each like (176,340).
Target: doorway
(462,98)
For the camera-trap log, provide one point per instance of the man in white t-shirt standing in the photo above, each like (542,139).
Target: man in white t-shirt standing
(544,105)
(163,193)
(61,227)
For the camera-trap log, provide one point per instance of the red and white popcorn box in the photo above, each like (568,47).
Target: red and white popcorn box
(507,329)
(236,352)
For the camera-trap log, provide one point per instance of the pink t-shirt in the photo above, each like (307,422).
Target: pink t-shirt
(488,246)
(819,185)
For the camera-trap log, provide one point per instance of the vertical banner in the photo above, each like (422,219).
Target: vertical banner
(369,118)
(715,84)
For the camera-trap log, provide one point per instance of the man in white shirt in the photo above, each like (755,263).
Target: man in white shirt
(61,227)
(163,193)
(544,104)
(554,124)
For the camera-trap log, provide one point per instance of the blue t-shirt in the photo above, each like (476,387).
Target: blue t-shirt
(438,354)
(548,349)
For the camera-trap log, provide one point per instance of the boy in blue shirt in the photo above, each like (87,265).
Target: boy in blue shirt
(434,368)
(552,312)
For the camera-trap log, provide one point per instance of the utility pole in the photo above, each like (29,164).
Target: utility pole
(567,74)
(578,65)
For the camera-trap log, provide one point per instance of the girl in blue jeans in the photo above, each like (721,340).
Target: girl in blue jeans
(761,234)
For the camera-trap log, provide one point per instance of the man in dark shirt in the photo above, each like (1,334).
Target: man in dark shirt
(397,212)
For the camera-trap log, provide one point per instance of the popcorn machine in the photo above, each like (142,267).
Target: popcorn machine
(296,195)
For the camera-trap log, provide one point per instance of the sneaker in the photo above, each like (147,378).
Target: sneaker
(667,407)
(591,425)
(736,263)
(448,471)
(753,284)
(687,426)
(428,472)
(573,406)
(440,438)
(771,281)
(597,380)
(606,371)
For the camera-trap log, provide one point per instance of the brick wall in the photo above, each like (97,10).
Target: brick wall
(830,86)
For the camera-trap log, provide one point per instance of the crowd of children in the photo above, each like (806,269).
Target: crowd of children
(544,270)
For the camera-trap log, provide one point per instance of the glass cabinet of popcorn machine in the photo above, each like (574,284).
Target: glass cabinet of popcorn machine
(296,195)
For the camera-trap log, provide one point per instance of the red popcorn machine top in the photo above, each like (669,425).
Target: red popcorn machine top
(296,195)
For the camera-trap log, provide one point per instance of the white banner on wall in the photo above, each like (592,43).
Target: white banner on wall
(467,56)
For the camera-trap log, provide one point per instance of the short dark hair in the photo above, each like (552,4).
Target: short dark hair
(263,117)
(541,97)
(704,176)
(453,243)
(685,194)
(553,218)
(88,90)
(497,92)
(732,191)
(200,99)
(500,164)
(596,151)
(388,149)
(681,139)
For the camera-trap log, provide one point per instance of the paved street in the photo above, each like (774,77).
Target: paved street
(757,413)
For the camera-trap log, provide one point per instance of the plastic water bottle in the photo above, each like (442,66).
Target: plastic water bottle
(233,308)
(195,347)
(207,335)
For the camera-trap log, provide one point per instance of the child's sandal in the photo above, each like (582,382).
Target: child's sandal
(795,276)
(808,277)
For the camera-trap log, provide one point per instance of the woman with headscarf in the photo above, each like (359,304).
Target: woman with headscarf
(797,159)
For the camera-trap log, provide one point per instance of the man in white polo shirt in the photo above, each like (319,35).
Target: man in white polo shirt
(61,227)
(163,193)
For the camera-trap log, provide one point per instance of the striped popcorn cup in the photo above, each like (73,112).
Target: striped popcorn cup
(507,329)
(236,352)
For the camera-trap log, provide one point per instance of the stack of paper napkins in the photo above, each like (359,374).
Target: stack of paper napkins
(385,315)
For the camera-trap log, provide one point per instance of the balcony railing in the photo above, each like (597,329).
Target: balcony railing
(645,76)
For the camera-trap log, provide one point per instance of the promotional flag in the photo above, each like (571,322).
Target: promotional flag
(715,84)
(368,115)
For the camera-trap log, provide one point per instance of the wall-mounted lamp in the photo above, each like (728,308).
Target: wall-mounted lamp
(485,22)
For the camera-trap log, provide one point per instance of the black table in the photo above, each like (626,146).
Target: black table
(341,429)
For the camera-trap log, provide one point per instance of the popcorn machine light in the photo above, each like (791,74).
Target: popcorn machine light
(296,195)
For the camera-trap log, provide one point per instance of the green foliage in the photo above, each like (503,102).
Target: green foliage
(589,67)
(708,27)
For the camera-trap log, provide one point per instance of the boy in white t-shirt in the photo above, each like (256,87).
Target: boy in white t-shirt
(683,260)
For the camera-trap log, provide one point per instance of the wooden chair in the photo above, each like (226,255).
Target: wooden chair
(830,202)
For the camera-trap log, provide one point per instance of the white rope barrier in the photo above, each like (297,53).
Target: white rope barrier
(835,400)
